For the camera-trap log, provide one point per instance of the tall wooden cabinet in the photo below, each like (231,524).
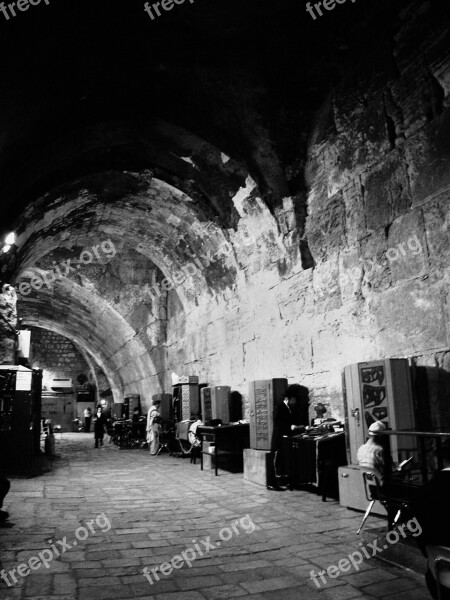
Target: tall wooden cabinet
(20,417)
(263,396)
(379,390)
(186,398)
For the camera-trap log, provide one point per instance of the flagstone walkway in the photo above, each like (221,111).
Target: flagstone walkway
(110,513)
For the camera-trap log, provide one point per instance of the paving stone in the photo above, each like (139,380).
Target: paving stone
(199,582)
(409,595)
(385,588)
(241,566)
(240,576)
(374,576)
(221,592)
(181,596)
(99,580)
(37,585)
(346,592)
(265,585)
(105,593)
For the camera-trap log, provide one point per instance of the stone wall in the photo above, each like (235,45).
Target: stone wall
(310,203)
(378,179)
(58,358)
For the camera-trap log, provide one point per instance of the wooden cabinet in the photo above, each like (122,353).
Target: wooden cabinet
(216,403)
(263,396)
(186,401)
(379,391)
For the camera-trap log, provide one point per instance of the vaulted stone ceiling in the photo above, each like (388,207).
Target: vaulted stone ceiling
(181,141)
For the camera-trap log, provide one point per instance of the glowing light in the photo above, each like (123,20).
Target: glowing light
(6,249)
(10,239)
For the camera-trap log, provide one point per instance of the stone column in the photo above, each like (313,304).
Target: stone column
(8,320)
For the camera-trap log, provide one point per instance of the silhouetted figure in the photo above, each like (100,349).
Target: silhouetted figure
(99,427)
(87,420)
(290,418)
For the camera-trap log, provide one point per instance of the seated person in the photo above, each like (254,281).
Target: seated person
(320,410)
(431,507)
(371,454)
(285,423)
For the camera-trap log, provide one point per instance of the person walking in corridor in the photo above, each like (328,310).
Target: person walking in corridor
(153,427)
(99,427)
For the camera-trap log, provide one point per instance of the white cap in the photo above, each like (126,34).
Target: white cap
(376,427)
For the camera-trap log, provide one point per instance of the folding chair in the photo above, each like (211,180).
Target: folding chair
(374,492)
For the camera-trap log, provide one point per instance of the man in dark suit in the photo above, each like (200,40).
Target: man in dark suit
(290,417)
(99,427)
(431,507)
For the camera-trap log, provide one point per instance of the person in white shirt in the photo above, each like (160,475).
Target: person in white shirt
(153,427)
(371,454)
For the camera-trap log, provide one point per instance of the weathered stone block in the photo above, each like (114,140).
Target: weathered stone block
(325,228)
(363,138)
(386,192)
(350,275)
(407,251)
(327,293)
(410,318)
(437,229)
(355,219)
(373,252)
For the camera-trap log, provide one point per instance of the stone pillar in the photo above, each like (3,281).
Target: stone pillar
(8,320)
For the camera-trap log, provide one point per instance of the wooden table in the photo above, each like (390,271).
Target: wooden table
(315,460)
(228,440)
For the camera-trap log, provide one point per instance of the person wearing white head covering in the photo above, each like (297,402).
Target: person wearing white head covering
(154,427)
(371,454)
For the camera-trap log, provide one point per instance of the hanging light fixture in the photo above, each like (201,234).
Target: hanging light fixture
(10,239)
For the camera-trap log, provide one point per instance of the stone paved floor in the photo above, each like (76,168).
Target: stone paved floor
(160,507)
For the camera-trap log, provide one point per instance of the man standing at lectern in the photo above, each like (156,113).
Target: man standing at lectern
(286,422)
